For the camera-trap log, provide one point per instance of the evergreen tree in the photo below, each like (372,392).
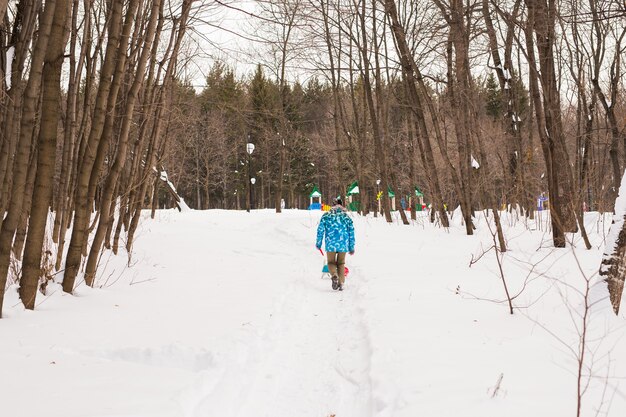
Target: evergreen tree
(264,104)
(493,97)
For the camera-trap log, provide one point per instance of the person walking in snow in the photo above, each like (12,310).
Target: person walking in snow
(337,227)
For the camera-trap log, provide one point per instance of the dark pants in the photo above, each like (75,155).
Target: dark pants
(337,265)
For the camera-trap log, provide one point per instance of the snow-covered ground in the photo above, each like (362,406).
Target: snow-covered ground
(224,314)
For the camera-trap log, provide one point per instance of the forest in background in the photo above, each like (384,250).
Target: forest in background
(481,104)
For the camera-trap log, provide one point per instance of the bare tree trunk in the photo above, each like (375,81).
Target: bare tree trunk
(412,157)
(3,8)
(23,27)
(112,105)
(511,120)
(335,77)
(75,71)
(20,233)
(278,195)
(598,49)
(542,15)
(20,165)
(616,135)
(492,202)
(174,47)
(42,195)
(411,74)
(583,117)
(291,11)
(544,122)
(120,158)
(82,204)
(381,157)
(458,85)
(118,228)
(137,177)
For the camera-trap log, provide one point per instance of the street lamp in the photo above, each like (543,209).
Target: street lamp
(378,197)
(252,182)
(249,150)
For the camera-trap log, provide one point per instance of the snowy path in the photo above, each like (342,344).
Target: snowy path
(311,359)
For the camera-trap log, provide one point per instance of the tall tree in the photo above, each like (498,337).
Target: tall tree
(542,15)
(46,153)
(377,131)
(413,78)
(20,164)
(507,99)
(82,212)
(111,182)
(459,89)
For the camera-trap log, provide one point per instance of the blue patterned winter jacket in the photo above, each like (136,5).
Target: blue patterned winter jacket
(338,228)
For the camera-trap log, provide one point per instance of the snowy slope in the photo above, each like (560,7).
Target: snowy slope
(224,314)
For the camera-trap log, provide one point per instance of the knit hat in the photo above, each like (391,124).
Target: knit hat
(337,201)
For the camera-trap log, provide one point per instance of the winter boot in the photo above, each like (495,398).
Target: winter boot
(335,282)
